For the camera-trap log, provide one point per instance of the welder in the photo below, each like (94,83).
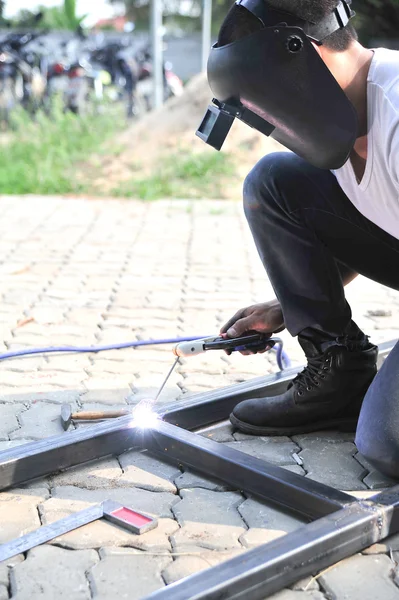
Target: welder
(320,213)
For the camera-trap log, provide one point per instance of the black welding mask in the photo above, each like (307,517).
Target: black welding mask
(275,81)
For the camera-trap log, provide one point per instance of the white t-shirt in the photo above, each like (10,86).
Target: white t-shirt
(377,195)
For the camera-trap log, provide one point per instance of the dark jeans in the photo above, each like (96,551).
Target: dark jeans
(310,237)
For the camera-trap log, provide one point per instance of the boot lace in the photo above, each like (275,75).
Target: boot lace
(310,377)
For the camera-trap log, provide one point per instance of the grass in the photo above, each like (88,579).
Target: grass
(45,156)
(42,154)
(199,175)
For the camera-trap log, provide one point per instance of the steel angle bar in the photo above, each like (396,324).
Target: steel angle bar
(210,407)
(36,459)
(300,494)
(311,548)
(276,484)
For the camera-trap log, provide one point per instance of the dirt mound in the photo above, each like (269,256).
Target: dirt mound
(169,132)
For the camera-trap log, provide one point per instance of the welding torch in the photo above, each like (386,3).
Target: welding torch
(256,342)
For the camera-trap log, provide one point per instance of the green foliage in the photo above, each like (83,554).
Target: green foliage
(54,17)
(70,13)
(42,155)
(181,176)
(3,22)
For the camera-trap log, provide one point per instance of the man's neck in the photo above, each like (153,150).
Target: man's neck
(350,68)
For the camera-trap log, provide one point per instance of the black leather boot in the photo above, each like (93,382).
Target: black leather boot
(327,394)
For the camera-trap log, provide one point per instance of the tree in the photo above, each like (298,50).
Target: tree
(3,21)
(55,17)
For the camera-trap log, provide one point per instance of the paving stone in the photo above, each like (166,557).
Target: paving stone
(184,566)
(390,544)
(294,469)
(33,396)
(41,420)
(378,481)
(3,592)
(209,519)
(219,433)
(203,382)
(306,584)
(125,573)
(19,514)
(189,479)
(169,394)
(294,595)
(22,364)
(273,450)
(103,533)
(324,436)
(158,504)
(112,366)
(71,362)
(332,463)
(361,578)
(9,419)
(265,523)
(65,579)
(195,561)
(62,379)
(113,382)
(143,471)
(97,474)
(110,397)
(374,479)
(376,549)
(3,574)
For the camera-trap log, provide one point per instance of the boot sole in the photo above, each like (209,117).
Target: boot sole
(345,425)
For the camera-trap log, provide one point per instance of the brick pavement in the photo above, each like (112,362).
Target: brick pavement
(97,271)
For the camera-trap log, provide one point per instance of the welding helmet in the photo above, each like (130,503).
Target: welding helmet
(275,81)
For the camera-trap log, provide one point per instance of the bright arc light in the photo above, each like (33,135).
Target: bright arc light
(144,417)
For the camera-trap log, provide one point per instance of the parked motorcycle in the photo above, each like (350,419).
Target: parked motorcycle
(172,84)
(22,77)
(114,59)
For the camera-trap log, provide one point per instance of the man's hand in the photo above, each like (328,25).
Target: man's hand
(263,318)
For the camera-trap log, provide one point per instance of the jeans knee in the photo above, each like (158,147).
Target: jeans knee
(267,176)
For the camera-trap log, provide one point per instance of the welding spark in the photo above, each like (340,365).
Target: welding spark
(144,417)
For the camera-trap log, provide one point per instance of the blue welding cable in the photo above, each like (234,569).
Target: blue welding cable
(283,360)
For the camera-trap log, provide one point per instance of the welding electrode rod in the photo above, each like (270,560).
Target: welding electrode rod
(166,379)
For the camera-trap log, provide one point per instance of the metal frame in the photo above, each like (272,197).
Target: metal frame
(343,524)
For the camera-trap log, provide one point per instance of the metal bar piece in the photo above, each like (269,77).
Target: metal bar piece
(37,459)
(265,570)
(216,405)
(53,454)
(49,532)
(302,495)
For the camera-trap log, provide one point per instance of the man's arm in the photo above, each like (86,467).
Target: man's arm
(268,316)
